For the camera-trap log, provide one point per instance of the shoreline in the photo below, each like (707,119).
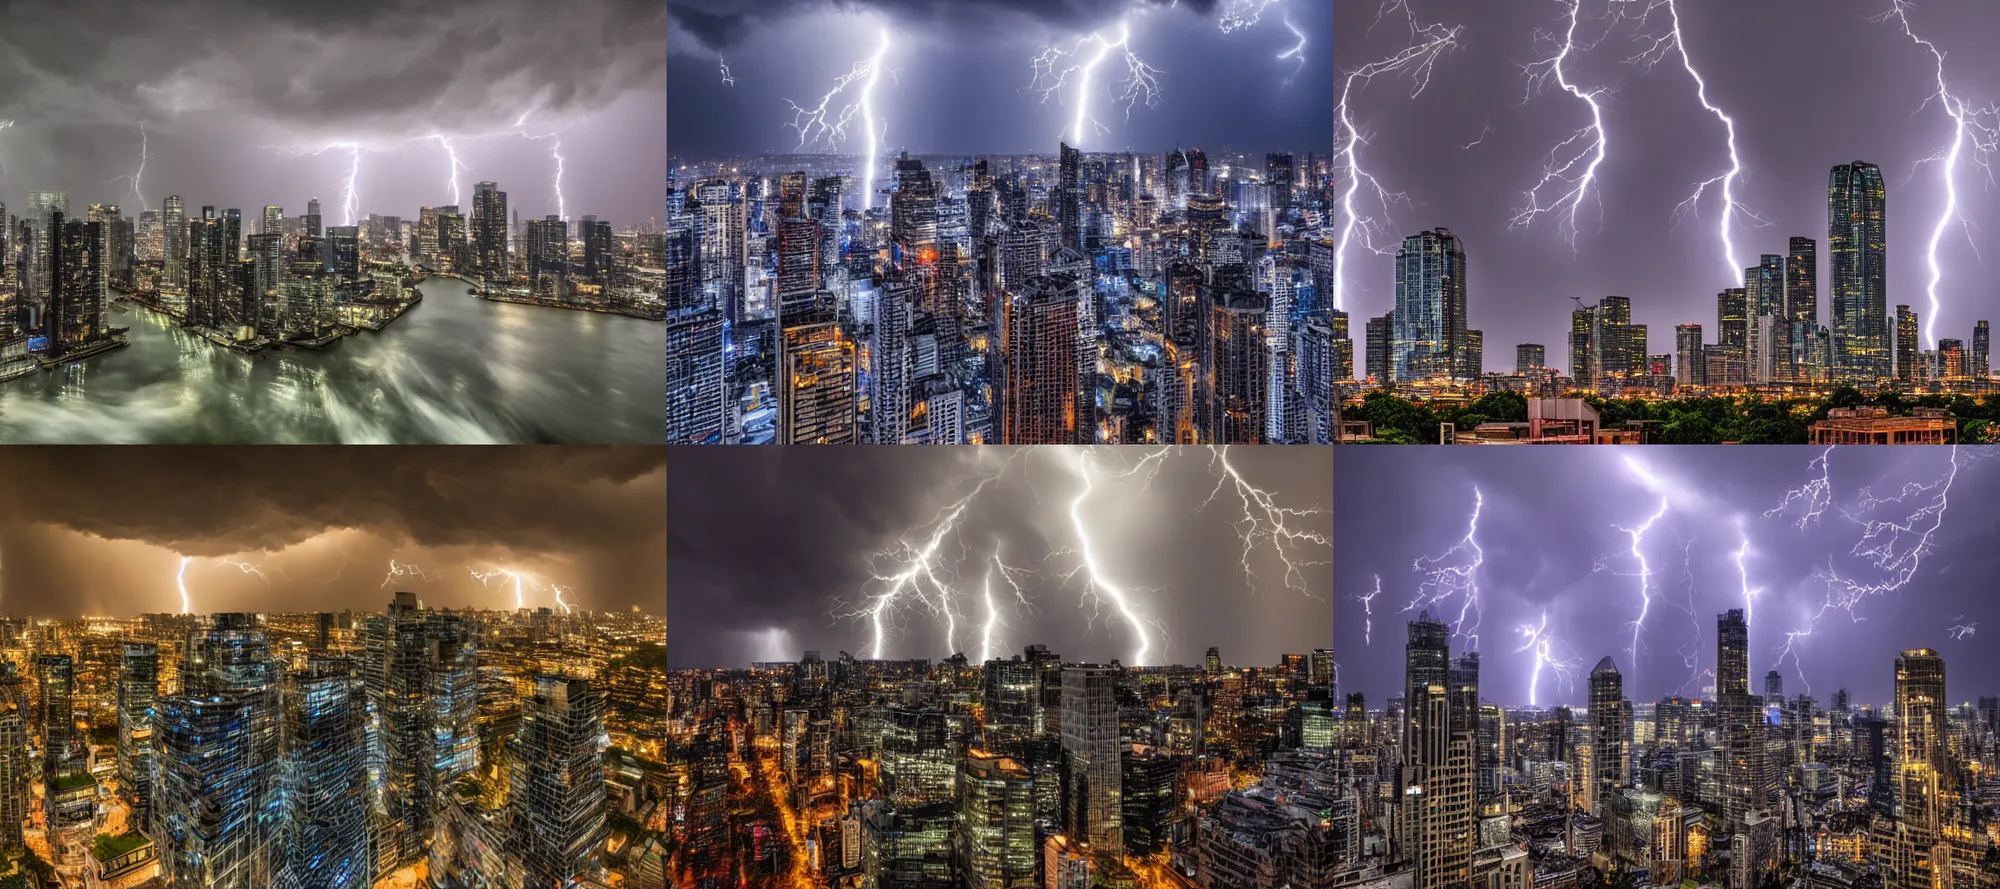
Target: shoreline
(479,290)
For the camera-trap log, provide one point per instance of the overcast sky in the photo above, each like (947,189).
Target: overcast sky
(772,546)
(961,69)
(1808,83)
(103,530)
(1552,530)
(218,83)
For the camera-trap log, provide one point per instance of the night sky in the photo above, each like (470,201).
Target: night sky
(1550,532)
(770,545)
(1809,84)
(102,530)
(213,81)
(964,68)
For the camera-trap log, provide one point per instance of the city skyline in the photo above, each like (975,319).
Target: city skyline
(1468,148)
(580,88)
(738,69)
(947,534)
(123,532)
(1850,555)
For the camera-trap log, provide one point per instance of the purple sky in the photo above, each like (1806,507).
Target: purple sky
(1550,530)
(1809,84)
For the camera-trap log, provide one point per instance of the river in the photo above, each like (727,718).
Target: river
(454,369)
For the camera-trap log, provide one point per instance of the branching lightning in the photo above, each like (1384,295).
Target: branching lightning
(1812,498)
(1141,83)
(1368,612)
(821,122)
(1415,61)
(1541,646)
(1674,41)
(1455,573)
(1238,15)
(727,79)
(403,569)
(1973,128)
(1264,521)
(1749,592)
(1569,170)
(1959,632)
(451,172)
(247,568)
(1637,535)
(1297,52)
(1100,587)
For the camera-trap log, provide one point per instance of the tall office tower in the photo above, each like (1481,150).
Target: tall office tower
(1092,798)
(138,686)
(259,306)
(1212,662)
(1044,382)
(1774,688)
(15,769)
(422,681)
(41,206)
(1732,322)
(325,827)
(205,276)
(1610,343)
(1438,764)
(889,363)
(220,796)
(720,205)
(1917,853)
(1907,357)
(1529,355)
(1343,348)
(1982,343)
(1069,197)
(913,208)
(314,229)
(1280,173)
(697,384)
(1318,359)
(548,254)
(1740,761)
(273,222)
(994,839)
(685,271)
(232,235)
(1732,658)
(556,790)
(798,261)
(1610,730)
(817,379)
(1802,281)
(1856,239)
(76,284)
(344,242)
(1771,327)
(1009,700)
(488,229)
(1380,347)
(1430,306)
(1235,369)
(600,250)
(57,677)
(1689,367)
(173,241)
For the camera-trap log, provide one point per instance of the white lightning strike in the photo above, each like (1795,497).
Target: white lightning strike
(1960,631)
(403,569)
(1099,587)
(1368,612)
(820,122)
(727,80)
(559,591)
(1645,575)
(180,580)
(451,171)
(1297,52)
(141,174)
(1570,167)
(1141,82)
(555,151)
(1416,61)
(1813,496)
(1691,655)
(247,568)
(1264,521)
(1749,592)
(917,565)
(1443,581)
(1674,41)
(1971,127)
(1541,646)
(1237,15)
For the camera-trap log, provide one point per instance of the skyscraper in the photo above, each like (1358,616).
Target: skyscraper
(1857,234)
(1069,197)
(994,842)
(57,675)
(1982,344)
(15,769)
(1043,374)
(488,229)
(1438,764)
(1917,850)
(173,241)
(218,759)
(421,676)
(313,226)
(1906,356)
(1430,306)
(697,385)
(557,784)
(1610,730)
(1092,804)
(138,685)
(325,838)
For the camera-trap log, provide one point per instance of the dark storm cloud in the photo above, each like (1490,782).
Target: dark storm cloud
(719,24)
(1553,532)
(963,70)
(1838,88)
(209,501)
(768,545)
(347,70)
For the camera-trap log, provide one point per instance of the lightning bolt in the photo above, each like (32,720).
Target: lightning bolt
(1691,655)
(559,591)
(1141,82)
(555,151)
(1570,167)
(727,80)
(350,200)
(1960,631)
(1297,52)
(1541,647)
(1416,61)
(484,577)
(403,569)
(1673,41)
(1971,127)
(247,568)
(451,171)
(1099,585)
(1368,612)
(141,174)
(180,581)
(1236,15)
(1264,521)
(1645,575)
(917,565)
(1443,581)
(1749,592)
(1814,495)
(820,122)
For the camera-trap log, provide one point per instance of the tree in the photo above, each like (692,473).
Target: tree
(1689,428)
